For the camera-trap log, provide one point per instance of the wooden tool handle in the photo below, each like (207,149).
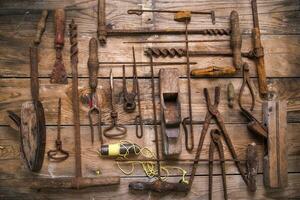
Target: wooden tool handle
(41,27)
(59,27)
(34,81)
(93,63)
(260,63)
(72,183)
(236,40)
(102,33)
(252,165)
(213,71)
(159,186)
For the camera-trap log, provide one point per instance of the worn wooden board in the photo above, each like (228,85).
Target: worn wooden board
(235,187)
(279,22)
(10,156)
(15,91)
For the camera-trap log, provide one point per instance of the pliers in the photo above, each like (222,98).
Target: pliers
(214,113)
(216,143)
(213,110)
(246,81)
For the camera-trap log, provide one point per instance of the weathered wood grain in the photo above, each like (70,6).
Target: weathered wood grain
(91,161)
(13,92)
(276,16)
(235,187)
(279,21)
(281,55)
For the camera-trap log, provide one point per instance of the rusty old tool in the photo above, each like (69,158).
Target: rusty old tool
(158,185)
(180,52)
(258,52)
(246,81)
(216,143)
(154,114)
(186,17)
(93,67)
(31,123)
(141,11)
(80,182)
(59,74)
(170,109)
(121,130)
(235,44)
(173,41)
(58,154)
(104,30)
(129,97)
(139,118)
(118,63)
(213,113)
(254,125)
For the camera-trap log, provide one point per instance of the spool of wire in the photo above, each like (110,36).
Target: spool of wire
(119,149)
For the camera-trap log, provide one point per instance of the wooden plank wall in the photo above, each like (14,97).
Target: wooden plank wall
(280,26)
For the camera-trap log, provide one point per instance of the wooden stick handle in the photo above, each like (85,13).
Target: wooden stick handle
(41,27)
(34,81)
(236,40)
(59,27)
(213,71)
(260,63)
(93,63)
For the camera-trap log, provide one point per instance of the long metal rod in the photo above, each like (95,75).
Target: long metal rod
(179,160)
(173,41)
(140,11)
(75,98)
(154,117)
(146,63)
(136,32)
(140,117)
(189,88)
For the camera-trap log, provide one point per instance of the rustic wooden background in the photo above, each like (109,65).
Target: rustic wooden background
(280,26)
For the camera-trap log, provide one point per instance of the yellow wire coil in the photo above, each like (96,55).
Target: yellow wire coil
(149,167)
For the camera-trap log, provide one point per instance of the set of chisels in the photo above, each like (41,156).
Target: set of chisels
(172,122)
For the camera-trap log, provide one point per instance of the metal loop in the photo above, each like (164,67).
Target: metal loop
(137,121)
(186,132)
(58,155)
(120,128)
